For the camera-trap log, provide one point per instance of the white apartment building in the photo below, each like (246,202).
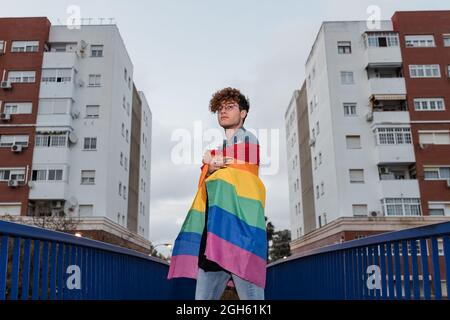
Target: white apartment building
(362,157)
(81,161)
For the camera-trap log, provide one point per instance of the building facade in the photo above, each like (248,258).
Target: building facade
(364,149)
(81,142)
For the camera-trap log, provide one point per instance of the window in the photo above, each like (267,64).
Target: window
(436,212)
(17,107)
(424,71)
(123,130)
(54,106)
(86,210)
(87,176)
(126,135)
(437,173)
(446,40)
(393,135)
(320,157)
(434,137)
(9,140)
(25,46)
(429,104)
(95,80)
(51,140)
(56,75)
(317,127)
(356,175)
(90,143)
(344,47)
(12,174)
(124,192)
(22,76)
(39,175)
(353,142)
(317,192)
(92,111)
(315,162)
(419,41)
(382,39)
(125,74)
(55,175)
(121,158)
(401,206)
(359,209)
(125,163)
(349,109)
(347,77)
(322,188)
(96,51)
(120,188)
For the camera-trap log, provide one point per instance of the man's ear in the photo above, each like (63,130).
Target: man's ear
(243,114)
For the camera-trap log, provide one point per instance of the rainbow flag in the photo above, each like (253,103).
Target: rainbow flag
(236,230)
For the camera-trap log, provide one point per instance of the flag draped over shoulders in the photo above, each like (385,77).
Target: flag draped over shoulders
(236,228)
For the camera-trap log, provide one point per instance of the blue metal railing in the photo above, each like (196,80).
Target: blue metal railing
(407,264)
(36,263)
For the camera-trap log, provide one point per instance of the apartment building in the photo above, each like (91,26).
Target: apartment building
(364,142)
(81,141)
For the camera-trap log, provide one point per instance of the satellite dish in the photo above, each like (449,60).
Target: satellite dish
(31,184)
(73,137)
(72,201)
(83,44)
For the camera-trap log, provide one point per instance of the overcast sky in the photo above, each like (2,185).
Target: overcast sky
(183,51)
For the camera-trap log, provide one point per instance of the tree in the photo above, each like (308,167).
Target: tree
(280,245)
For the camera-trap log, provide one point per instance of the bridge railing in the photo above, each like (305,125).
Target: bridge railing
(406,264)
(36,263)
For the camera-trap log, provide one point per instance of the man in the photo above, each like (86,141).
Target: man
(224,234)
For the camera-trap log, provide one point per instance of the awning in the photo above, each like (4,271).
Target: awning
(388,97)
(381,65)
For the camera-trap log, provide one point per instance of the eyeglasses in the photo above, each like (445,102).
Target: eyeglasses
(227,107)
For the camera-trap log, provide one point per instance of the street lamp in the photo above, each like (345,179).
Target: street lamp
(168,245)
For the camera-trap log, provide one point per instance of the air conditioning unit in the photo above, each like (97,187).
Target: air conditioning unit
(369,116)
(2,47)
(16,148)
(312,142)
(13,183)
(374,214)
(5,85)
(448,183)
(5,116)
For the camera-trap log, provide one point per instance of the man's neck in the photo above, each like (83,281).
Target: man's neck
(229,132)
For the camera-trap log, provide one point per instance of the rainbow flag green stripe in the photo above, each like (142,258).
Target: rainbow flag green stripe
(195,222)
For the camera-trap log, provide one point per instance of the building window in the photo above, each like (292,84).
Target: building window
(25,46)
(401,206)
(90,143)
(51,140)
(12,174)
(55,175)
(95,80)
(121,158)
(56,75)
(315,162)
(359,209)
(437,173)
(419,41)
(126,135)
(10,140)
(347,77)
(353,142)
(446,40)
(322,188)
(320,158)
(96,51)
(39,175)
(424,71)
(87,176)
(22,76)
(17,107)
(92,111)
(124,192)
(317,127)
(382,39)
(356,175)
(349,109)
(393,136)
(317,192)
(120,188)
(123,130)
(429,104)
(434,137)
(125,163)
(344,47)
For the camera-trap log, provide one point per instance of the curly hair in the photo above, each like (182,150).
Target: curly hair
(227,94)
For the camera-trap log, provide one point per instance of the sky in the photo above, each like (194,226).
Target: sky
(183,51)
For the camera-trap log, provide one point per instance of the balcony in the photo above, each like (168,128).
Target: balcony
(395,153)
(390,117)
(405,188)
(60,60)
(383,86)
(382,55)
(49,190)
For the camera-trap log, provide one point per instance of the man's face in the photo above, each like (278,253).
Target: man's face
(229,115)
